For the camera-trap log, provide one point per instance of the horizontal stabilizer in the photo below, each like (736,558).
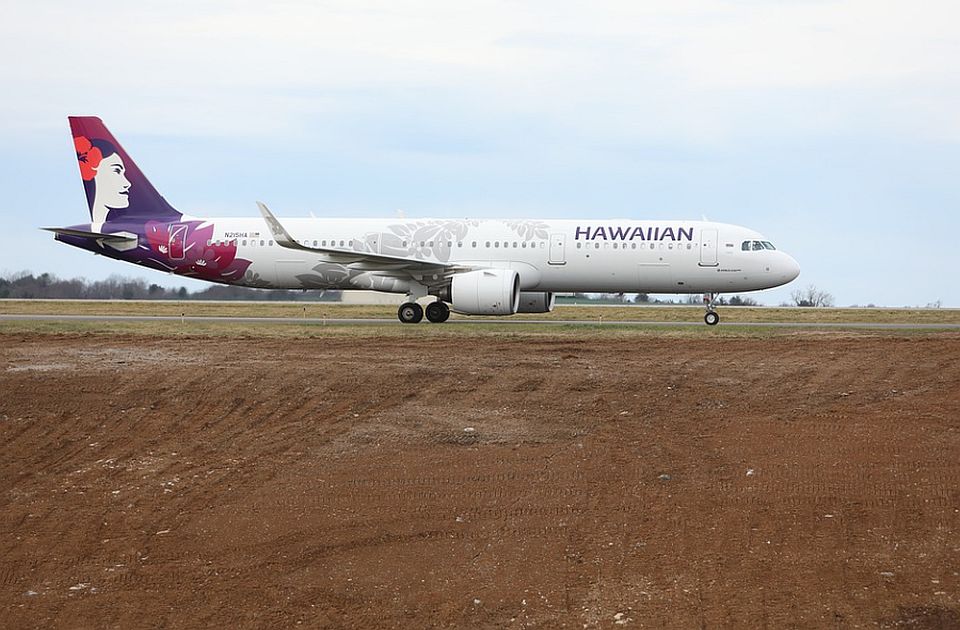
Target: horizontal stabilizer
(121,237)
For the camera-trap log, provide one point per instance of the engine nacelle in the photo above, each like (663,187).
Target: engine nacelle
(536,302)
(485,292)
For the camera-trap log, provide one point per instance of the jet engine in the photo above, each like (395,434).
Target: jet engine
(536,302)
(485,292)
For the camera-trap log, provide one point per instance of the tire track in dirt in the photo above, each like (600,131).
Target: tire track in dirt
(802,479)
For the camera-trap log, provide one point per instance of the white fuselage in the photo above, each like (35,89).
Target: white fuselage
(549,255)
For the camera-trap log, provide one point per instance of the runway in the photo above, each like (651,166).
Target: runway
(468,322)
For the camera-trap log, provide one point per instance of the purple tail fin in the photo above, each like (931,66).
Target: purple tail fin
(117,191)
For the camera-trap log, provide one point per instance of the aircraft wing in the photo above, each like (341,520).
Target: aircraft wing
(359,260)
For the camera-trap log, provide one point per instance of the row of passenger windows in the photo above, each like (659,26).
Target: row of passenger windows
(495,244)
(669,245)
(349,243)
(756,246)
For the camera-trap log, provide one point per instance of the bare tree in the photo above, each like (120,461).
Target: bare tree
(811,296)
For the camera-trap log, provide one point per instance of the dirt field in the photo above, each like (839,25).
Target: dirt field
(800,479)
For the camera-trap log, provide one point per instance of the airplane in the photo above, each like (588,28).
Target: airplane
(470,266)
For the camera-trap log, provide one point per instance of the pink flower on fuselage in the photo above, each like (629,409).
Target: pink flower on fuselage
(216,261)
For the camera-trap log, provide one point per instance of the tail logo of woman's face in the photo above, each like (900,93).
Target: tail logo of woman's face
(104,177)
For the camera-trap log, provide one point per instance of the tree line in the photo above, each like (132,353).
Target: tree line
(27,286)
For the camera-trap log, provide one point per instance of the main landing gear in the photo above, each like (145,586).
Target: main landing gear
(712,318)
(412,313)
(438,312)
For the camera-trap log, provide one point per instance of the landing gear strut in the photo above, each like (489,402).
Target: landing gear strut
(438,312)
(410,313)
(712,318)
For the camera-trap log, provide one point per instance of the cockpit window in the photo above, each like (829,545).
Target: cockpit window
(756,246)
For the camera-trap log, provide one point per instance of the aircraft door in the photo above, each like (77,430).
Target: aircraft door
(557,249)
(178,237)
(708,248)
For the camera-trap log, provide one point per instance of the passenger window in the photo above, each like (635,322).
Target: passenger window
(633,245)
(474,244)
(244,242)
(261,243)
(488,244)
(496,244)
(514,244)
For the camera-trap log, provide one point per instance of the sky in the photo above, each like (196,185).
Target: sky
(831,127)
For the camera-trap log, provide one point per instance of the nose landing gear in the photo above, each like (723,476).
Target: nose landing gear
(712,318)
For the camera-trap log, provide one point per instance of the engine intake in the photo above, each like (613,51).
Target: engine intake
(486,292)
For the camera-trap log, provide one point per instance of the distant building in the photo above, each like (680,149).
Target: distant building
(372,297)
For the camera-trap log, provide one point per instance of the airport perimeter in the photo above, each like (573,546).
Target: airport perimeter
(208,473)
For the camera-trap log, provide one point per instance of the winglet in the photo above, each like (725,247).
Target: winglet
(280,234)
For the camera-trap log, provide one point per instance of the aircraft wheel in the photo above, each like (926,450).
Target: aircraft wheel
(712,318)
(410,313)
(438,312)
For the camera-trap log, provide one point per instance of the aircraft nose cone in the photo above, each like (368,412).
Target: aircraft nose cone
(791,268)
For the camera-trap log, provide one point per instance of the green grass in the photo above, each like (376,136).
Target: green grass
(318,310)
(295,330)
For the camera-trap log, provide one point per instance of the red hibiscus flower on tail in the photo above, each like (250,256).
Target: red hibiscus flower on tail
(88,156)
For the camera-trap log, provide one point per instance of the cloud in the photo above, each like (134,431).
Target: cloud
(695,70)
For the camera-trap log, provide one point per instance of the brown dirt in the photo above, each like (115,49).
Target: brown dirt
(800,480)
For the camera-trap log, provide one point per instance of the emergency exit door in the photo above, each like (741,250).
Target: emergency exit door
(557,249)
